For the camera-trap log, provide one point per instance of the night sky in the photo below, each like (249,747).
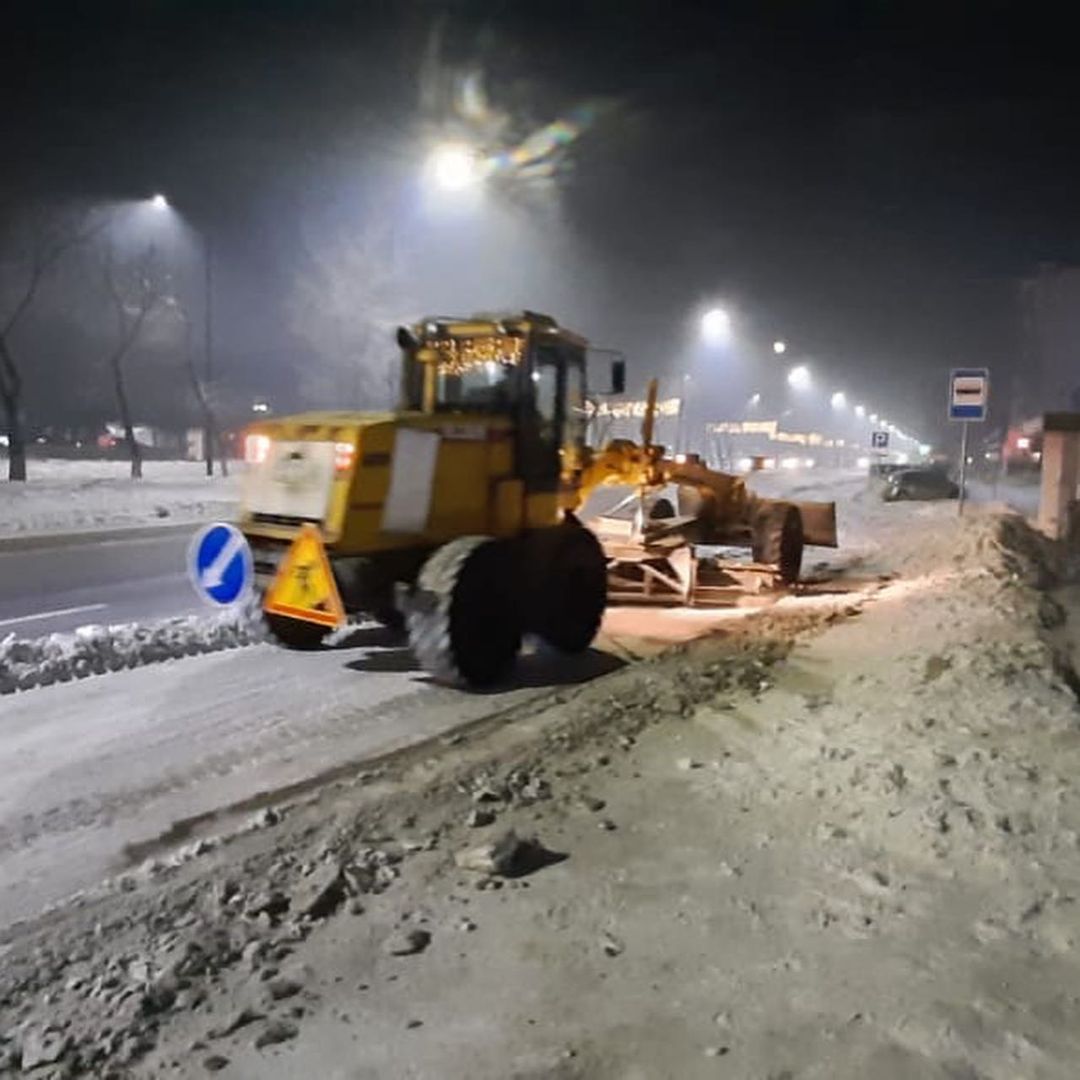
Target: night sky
(866,180)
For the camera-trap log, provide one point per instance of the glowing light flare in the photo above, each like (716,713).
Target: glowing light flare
(256,448)
(779,347)
(459,355)
(799,378)
(838,400)
(344,452)
(454,166)
(860,411)
(716,326)
(159,202)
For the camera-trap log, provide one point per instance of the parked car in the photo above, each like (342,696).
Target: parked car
(919,484)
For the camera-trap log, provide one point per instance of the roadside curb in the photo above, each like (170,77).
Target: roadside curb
(43,541)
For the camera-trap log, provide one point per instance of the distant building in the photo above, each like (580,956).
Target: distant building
(1050,341)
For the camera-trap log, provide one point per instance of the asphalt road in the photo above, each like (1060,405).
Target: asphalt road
(62,584)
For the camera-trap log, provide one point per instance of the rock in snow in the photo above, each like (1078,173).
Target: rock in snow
(320,893)
(407,942)
(509,855)
(42,1046)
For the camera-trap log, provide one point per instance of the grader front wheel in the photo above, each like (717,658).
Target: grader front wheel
(464,623)
(777,539)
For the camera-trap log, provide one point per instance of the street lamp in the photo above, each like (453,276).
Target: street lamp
(755,400)
(873,418)
(454,166)
(799,378)
(161,203)
(838,400)
(716,326)
(860,411)
(779,347)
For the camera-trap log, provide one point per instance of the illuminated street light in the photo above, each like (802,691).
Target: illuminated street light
(838,400)
(716,326)
(454,166)
(161,204)
(799,378)
(860,411)
(873,418)
(755,400)
(779,347)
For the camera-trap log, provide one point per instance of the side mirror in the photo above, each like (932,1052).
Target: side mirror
(618,376)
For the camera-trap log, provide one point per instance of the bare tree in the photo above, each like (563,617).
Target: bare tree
(345,303)
(199,388)
(136,289)
(47,236)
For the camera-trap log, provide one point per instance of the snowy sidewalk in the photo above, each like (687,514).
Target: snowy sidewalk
(63,496)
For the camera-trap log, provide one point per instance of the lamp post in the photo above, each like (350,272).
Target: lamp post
(160,202)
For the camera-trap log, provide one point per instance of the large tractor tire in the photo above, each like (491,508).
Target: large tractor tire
(389,618)
(464,622)
(568,577)
(295,633)
(777,539)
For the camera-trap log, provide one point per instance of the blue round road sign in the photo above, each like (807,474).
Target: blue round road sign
(220,564)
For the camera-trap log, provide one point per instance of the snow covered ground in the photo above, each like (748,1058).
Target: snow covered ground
(71,496)
(831,855)
(838,841)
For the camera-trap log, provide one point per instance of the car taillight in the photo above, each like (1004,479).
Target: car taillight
(256,449)
(344,452)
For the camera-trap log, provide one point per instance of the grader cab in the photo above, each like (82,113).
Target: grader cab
(454,516)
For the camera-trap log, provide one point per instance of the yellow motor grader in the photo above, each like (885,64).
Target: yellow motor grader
(455,516)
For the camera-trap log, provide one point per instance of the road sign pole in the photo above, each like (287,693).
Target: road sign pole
(963,466)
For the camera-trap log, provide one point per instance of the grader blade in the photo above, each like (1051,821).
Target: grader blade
(818,523)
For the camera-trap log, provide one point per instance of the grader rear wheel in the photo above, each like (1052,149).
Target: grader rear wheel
(464,625)
(777,539)
(569,585)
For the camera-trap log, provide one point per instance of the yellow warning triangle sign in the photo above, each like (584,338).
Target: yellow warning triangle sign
(304,587)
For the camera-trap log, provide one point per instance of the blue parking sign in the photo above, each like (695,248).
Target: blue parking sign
(220,564)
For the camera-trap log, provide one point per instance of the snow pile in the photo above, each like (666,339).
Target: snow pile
(26,663)
(72,496)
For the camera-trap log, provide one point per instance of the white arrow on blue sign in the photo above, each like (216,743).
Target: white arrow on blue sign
(220,564)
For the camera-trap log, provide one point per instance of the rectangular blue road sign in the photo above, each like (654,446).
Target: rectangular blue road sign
(969,393)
